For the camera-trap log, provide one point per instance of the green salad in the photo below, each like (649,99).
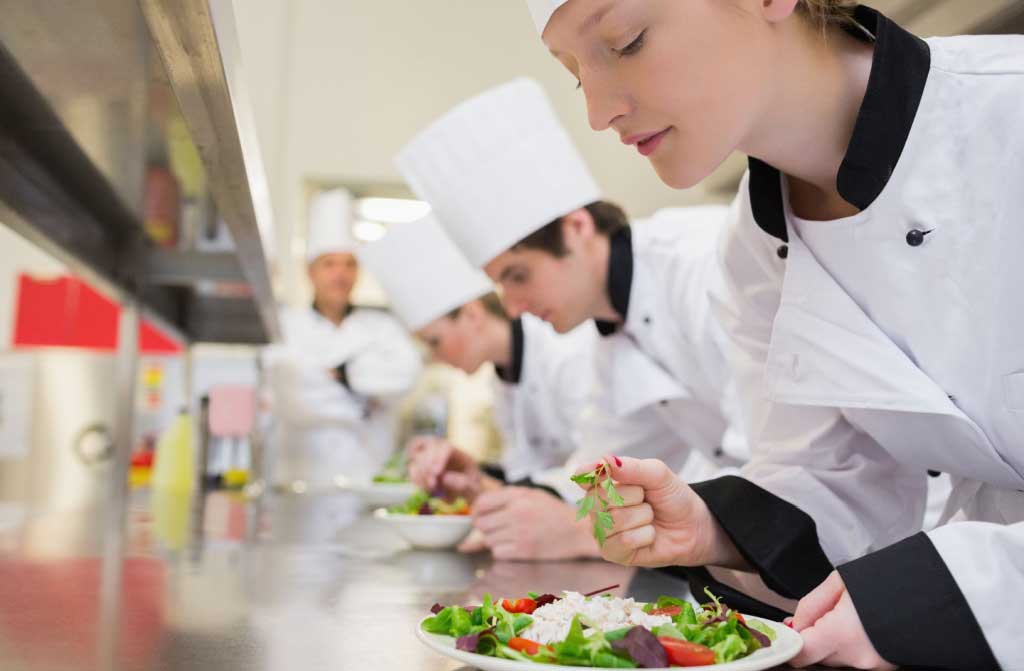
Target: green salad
(422,503)
(586,630)
(394,471)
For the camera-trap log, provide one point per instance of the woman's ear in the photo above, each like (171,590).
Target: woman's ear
(471,314)
(778,10)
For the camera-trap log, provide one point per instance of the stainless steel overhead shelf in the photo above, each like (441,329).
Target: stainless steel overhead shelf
(98,97)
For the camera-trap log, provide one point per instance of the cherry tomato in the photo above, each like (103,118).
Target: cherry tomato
(684,653)
(519,606)
(525,645)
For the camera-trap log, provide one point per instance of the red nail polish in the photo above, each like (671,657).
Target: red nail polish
(618,462)
(788,623)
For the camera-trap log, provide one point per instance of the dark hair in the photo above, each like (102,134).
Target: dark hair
(492,304)
(608,218)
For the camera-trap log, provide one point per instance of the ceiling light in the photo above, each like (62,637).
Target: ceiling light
(392,210)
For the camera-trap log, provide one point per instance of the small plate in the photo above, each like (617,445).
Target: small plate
(785,647)
(428,531)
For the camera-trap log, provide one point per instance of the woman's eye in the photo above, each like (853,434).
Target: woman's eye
(634,46)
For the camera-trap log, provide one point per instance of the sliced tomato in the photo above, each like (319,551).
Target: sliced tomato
(526,645)
(667,610)
(740,618)
(684,653)
(519,606)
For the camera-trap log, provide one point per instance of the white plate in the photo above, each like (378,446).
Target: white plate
(786,645)
(428,531)
(376,494)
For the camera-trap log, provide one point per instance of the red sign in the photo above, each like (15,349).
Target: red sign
(67,312)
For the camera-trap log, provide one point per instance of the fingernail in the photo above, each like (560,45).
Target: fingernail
(788,622)
(618,462)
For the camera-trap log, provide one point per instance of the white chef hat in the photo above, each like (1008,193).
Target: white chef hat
(423,272)
(330,224)
(541,11)
(496,168)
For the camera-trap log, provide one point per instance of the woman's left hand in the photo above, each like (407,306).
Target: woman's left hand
(832,631)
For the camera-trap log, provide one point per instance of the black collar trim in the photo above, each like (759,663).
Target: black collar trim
(899,71)
(620,277)
(514,371)
(349,309)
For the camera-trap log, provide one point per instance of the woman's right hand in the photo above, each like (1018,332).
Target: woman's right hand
(662,522)
(434,464)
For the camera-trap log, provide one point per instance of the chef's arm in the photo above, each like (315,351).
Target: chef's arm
(947,599)
(386,368)
(303,394)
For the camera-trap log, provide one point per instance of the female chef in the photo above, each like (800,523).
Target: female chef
(542,384)
(873,299)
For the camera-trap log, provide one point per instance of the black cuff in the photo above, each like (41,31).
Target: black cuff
(342,373)
(527,482)
(494,470)
(778,539)
(498,473)
(912,609)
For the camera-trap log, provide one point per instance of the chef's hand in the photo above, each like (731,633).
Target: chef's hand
(832,631)
(528,524)
(662,522)
(435,463)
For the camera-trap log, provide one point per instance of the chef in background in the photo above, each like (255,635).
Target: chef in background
(335,381)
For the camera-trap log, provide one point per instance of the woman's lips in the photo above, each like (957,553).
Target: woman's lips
(646,143)
(649,145)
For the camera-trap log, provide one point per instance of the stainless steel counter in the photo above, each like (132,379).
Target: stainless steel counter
(239,585)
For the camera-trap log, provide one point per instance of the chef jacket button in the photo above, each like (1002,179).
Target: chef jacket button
(934,474)
(782,251)
(647,319)
(663,402)
(719,452)
(915,237)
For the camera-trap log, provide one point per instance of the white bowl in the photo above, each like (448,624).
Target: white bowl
(377,494)
(428,531)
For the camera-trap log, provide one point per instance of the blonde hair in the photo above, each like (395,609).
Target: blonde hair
(828,13)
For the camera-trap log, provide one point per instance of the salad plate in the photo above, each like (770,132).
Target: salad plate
(606,632)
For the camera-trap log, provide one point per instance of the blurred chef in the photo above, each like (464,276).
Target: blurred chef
(335,380)
(541,386)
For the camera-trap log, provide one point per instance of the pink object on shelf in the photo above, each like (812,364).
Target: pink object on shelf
(232,411)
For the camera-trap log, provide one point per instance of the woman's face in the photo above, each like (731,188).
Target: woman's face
(681,81)
(455,340)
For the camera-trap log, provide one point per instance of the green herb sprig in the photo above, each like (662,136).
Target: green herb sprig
(599,478)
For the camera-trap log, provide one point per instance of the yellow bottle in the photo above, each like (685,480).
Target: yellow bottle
(175,462)
(174,478)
